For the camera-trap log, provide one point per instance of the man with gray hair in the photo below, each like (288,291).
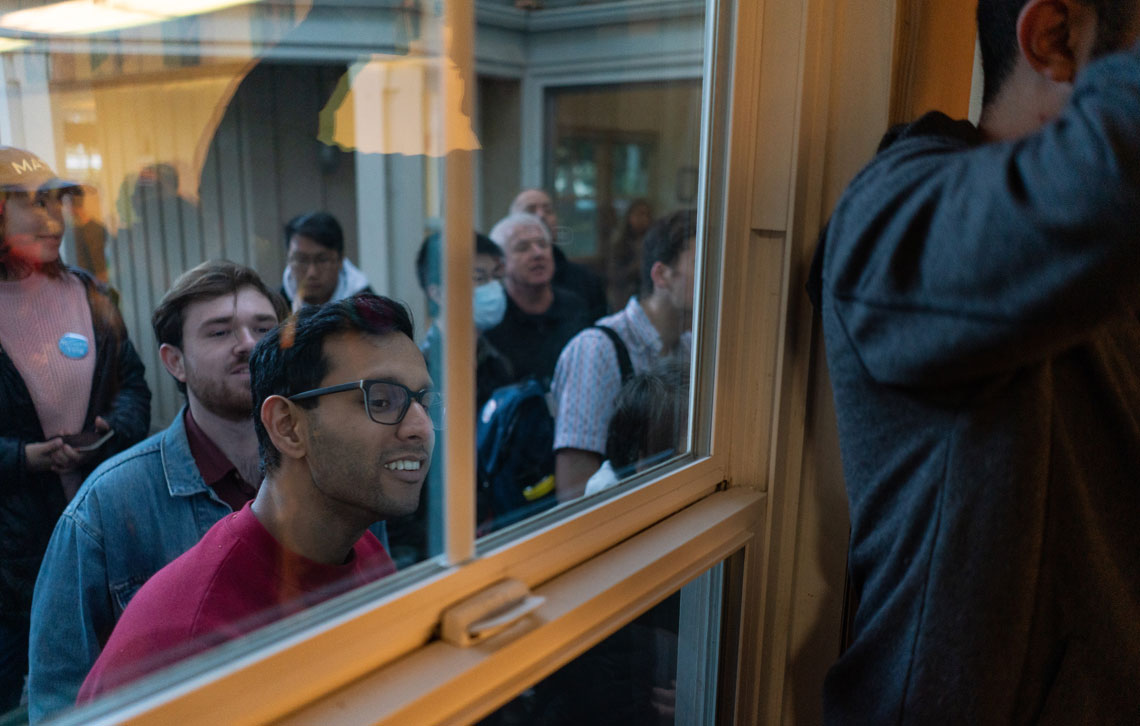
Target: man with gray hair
(570,275)
(540,317)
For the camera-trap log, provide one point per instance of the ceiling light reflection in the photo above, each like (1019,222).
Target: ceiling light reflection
(83,17)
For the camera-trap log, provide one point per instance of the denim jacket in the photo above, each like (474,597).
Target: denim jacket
(134,514)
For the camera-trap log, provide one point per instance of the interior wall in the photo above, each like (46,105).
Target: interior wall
(885,62)
(848,57)
(669,113)
(262,165)
(500,128)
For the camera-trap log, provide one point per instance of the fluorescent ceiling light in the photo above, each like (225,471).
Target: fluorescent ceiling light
(81,17)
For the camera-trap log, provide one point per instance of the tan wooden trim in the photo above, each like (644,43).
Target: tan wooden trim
(933,58)
(445,684)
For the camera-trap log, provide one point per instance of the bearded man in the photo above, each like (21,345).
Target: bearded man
(143,508)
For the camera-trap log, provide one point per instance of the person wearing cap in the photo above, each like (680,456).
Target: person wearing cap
(71,389)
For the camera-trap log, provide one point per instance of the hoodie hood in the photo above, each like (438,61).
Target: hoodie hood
(349,282)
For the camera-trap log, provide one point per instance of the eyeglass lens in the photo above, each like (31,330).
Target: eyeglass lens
(388,403)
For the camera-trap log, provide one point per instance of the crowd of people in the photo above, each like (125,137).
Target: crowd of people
(270,491)
(976,287)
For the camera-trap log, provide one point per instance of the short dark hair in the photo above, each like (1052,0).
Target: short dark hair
(997,35)
(321,227)
(664,243)
(650,411)
(428,261)
(206,281)
(291,358)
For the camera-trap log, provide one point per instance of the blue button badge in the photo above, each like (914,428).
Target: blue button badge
(73,345)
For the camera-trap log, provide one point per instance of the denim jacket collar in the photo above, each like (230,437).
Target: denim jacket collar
(182,476)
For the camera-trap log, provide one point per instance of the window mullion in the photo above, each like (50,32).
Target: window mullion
(457,77)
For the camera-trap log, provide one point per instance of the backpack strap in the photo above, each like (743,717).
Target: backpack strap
(624,362)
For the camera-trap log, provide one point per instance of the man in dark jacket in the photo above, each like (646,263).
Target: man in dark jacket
(979,289)
(569,275)
(540,316)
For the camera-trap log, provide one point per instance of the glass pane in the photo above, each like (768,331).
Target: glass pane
(599,228)
(303,142)
(660,669)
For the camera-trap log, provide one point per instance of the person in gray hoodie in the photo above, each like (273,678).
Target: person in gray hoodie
(979,289)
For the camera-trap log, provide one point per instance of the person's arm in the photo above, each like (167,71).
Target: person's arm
(129,414)
(945,264)
(572,469)
(72,615)
(586,382)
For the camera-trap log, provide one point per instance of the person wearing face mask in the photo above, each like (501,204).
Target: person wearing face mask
(488,305)
(418,535)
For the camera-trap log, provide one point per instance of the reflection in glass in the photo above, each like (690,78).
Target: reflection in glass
(332,466)
(302,141)
(614,155)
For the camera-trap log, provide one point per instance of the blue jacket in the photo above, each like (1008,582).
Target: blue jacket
(133,515)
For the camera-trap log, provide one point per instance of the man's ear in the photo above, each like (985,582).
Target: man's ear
(1056,37)
(285,428)
(661,274)
(173,360)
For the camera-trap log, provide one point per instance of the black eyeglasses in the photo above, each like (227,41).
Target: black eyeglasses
(387,402)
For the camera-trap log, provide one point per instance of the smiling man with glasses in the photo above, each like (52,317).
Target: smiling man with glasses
(346,419)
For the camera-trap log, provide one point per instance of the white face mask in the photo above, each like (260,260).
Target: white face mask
(489,303)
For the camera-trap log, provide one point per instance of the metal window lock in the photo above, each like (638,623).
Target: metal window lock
(488,612)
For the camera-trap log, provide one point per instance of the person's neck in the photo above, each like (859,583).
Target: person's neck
(531,299)
(236,438)
(666,318)
(16,272)
(286,506)
(1025,103)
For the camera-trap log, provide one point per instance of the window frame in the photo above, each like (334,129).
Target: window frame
(744,397)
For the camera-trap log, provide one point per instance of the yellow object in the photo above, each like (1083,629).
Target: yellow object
(539,490)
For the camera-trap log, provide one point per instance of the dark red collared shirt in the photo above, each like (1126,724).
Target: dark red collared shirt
(216,470)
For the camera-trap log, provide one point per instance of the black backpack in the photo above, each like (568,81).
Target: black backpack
(515,448)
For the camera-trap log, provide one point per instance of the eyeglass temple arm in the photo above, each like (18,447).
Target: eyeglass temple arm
(331,389)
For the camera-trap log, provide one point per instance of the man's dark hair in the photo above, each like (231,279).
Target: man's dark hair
(428,261)
(664,243)
(321,227)
(649,415)
(997,35)
(291,358)
(206,281)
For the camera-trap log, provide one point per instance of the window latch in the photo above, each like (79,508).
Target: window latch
(488,612)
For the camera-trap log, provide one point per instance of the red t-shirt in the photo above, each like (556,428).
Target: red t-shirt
(235,580)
